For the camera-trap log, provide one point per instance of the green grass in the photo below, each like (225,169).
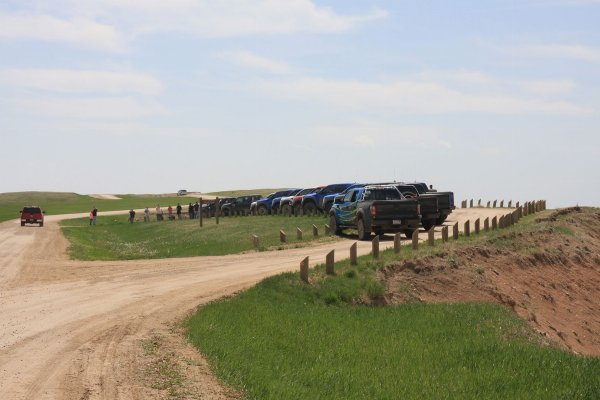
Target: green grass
(283,339)
(65,203)
(113,238)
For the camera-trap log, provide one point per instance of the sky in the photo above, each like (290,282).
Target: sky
(495,99)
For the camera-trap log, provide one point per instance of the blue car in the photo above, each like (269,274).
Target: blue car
(263,206)
(313,203)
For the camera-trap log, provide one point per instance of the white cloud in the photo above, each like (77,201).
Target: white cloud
(576,52)
(91,107)
(81,81)
(404,96)
(251,60)
(78,31)
(549,86)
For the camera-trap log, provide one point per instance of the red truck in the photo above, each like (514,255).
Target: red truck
(32,215)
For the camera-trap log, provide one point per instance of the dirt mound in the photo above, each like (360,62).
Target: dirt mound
(548,273)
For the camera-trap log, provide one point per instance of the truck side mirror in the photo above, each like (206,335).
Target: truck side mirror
(339,199)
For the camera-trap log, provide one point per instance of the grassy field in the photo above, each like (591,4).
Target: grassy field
(113,238)
(284,339)
(65,203)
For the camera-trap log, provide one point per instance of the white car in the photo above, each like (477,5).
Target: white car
(182,192)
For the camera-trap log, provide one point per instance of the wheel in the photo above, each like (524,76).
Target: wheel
(310,208)
(327,207)
(225,212)
(441,220)
(22,223)
(427,225)
(297,209)
(362,232)
(262,210)
(275,210)
(286,209)
(333,225)
(378,232)
(409,233)
(41,224)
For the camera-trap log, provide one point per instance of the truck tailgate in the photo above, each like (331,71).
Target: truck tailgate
(395,209)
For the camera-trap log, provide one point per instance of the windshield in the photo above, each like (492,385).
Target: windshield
(32,210)
(382,194)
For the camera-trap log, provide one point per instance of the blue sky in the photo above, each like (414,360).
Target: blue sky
(491,99)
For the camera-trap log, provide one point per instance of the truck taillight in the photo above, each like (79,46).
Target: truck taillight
(373,212)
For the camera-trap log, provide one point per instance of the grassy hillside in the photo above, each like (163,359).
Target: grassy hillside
(338,338)
(65,203)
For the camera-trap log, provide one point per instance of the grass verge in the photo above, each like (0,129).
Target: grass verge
(284,339)
(113,238)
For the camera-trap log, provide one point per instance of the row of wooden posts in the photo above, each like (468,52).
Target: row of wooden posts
(283,236)
(496,223)
(494,204)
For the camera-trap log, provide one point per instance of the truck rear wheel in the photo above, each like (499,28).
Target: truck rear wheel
(441,220)
(262,210)
(286,209)
(310,208)
(362,232)
(408,233)
(22,223)
(428,224)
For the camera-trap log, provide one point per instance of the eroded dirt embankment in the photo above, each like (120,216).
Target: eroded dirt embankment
(548,273)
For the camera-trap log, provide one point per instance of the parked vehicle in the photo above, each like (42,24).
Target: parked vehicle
(32,215)
(445,200)
(330,198)
(263,205)
(430,212)
(375,208)
(276,203)
(313,203)
(239,205)
(293,204)
(208,209)
(182,192)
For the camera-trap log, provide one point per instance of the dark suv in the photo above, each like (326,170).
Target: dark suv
(32,215)
(240,205)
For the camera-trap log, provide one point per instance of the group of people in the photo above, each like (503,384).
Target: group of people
(93,216)
(172,213)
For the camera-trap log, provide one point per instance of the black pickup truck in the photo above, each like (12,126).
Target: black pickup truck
(445,199)
(430,212)
(240,205)
(374,208)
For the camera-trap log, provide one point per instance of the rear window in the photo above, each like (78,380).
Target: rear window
(32,210)
(382,194)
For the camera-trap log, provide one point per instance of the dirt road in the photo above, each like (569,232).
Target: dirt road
(72,329)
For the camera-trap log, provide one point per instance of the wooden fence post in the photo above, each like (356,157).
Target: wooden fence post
(471,203)
(375,247)
(477,226)
(329,263)
(304,270)
(517,205)
(510,204)
(199,211)
(298,233)
(455,231)
(445,234)
(463,204)
(495,201)
(315,231)
(502,204)
(467,231)
(397,243)
(488,204)
(282,236)
(486,224)
(353,255)
(327,229)
(217,210)
(430,237)
(256,242)
(494,223)
(479,203)
(415,239)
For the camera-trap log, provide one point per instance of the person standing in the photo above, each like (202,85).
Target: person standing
(170,213)
(178,208)
(94,215)
(191,211)
(91,218)
(197,210)
(159,213)
(131,216)
(146,215)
